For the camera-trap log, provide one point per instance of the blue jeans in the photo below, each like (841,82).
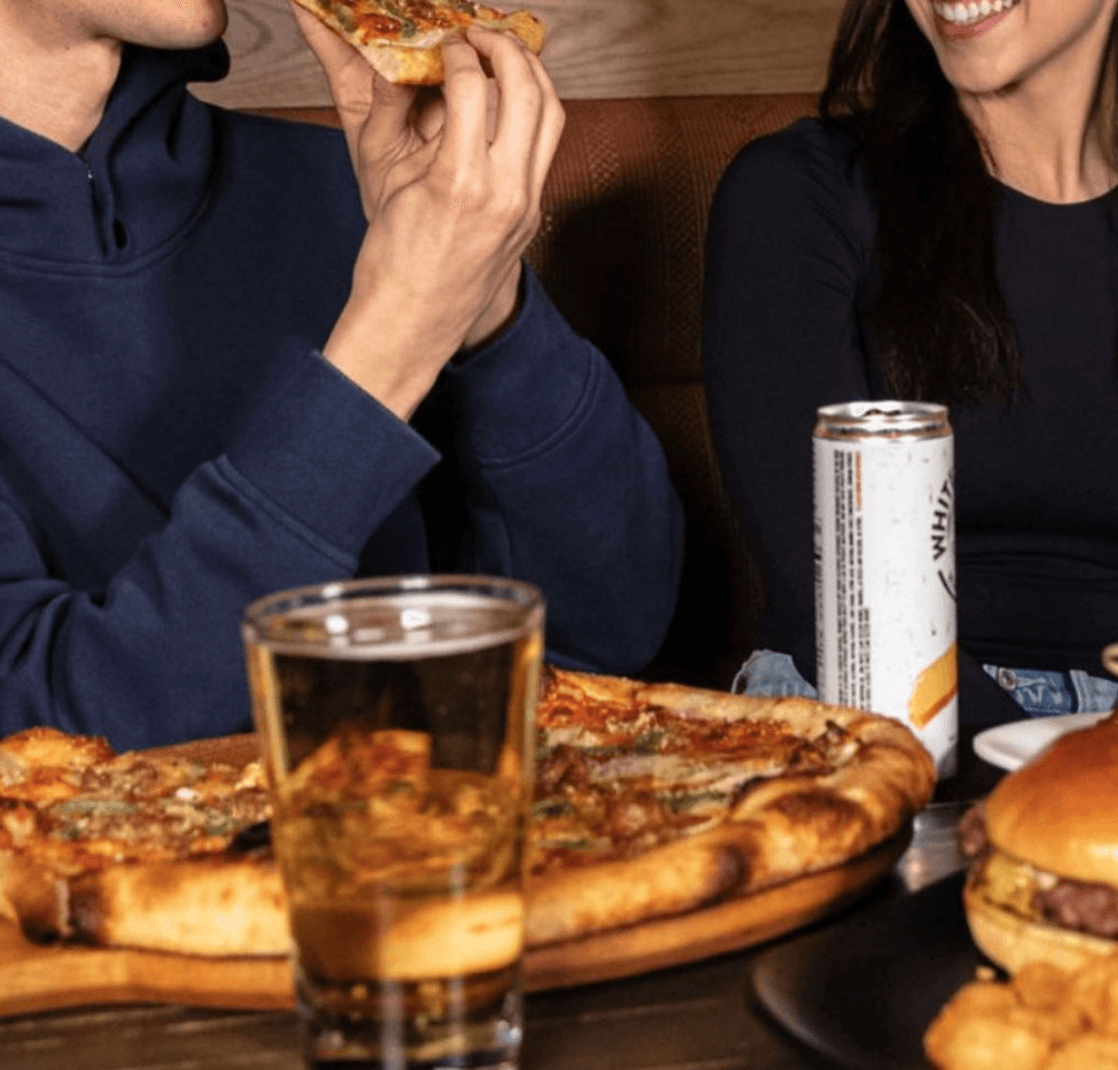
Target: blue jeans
(1045,692)
(1039,692)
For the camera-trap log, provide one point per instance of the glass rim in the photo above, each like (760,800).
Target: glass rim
(263,612)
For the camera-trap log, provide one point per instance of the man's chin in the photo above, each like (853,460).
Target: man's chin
(209,30)
(198,23)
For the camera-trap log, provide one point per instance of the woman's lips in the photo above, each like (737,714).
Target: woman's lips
(961,30)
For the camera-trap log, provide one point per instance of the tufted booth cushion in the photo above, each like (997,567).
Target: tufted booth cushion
(620,251)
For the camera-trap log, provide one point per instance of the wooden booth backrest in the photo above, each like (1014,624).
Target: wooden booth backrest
(596,49)
(620,250)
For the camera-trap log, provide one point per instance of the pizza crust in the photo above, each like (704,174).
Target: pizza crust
(138,849)
(44,764)
(420,61)
(214,906)
(678,877)
(730,924)
(35,896)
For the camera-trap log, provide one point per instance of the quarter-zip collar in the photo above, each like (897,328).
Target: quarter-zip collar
(138,180)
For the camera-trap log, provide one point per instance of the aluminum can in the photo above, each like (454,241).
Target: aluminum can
(885,615)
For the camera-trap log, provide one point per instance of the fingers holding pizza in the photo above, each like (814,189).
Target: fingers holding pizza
(451,188)
(383,122)
(518,143)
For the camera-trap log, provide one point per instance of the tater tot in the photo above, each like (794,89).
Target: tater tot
(1044,1018)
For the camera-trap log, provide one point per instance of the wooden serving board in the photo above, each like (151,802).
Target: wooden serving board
(35,977)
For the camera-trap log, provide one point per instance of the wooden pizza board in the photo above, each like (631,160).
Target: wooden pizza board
(38,978)
(35,977)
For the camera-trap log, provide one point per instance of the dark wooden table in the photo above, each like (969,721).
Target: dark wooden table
(703,1016)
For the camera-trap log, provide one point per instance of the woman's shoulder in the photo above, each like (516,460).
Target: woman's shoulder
(808,151)
(808,174)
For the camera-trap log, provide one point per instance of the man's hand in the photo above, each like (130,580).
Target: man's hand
(451,188)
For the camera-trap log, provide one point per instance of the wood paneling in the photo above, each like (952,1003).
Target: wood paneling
(596,49)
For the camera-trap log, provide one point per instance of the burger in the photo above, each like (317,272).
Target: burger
(1043,884)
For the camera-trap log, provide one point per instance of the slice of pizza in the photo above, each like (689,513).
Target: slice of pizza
(136,849)
(401,39)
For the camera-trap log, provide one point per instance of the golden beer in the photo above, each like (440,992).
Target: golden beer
(397,734)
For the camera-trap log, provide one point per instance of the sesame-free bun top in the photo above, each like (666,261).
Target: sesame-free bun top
(1060,812)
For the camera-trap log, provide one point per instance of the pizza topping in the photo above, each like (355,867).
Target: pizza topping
(387,813)
(108,807)
(401,39)
(688,802)
(12,769)
(98,808)
(401,20)
(418,14)
(17,822)
(393,25)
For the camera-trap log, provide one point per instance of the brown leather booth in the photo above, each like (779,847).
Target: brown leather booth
(620,251)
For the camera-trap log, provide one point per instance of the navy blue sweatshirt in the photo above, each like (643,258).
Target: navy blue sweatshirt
(172,445)
(791,269)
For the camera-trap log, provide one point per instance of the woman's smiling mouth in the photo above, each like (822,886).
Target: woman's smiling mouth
(965,18)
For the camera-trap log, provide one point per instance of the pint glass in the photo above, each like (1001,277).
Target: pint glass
(395,718)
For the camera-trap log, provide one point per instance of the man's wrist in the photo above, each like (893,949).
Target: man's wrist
(391,357)
(499,315)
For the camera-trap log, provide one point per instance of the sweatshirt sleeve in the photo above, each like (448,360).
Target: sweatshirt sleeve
(156,656)
(566,486)
(781,338)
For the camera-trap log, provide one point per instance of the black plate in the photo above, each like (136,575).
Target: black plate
(863,991)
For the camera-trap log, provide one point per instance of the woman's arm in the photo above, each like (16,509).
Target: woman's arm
(787,259)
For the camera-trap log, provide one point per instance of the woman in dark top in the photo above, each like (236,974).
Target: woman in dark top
(946,231)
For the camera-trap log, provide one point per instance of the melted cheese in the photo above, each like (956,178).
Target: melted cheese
(1012,884)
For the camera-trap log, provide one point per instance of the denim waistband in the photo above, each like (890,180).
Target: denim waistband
(1046,692)
(1039,692)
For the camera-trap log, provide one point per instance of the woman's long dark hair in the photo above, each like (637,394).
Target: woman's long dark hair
(941,323)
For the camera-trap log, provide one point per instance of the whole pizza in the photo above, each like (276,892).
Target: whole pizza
(651,801)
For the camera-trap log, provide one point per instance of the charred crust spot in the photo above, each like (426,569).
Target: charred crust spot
(822,809)
(252,841)
(85,916)
(734,867)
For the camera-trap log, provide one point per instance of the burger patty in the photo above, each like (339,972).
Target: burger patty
(1083,906)
(1087,908)
(973,841)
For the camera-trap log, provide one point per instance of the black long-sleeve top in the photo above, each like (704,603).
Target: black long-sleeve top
(790,278)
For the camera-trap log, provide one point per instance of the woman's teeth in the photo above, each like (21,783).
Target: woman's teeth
(963,14)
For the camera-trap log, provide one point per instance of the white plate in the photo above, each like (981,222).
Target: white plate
(1010,746)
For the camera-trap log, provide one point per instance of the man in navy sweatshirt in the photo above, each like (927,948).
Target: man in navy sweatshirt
(228,368)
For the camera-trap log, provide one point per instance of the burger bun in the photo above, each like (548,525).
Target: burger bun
(1059,813)
(1010,941)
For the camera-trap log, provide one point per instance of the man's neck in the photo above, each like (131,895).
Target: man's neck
(56,88)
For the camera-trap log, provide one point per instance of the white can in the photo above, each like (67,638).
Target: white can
(884,475)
